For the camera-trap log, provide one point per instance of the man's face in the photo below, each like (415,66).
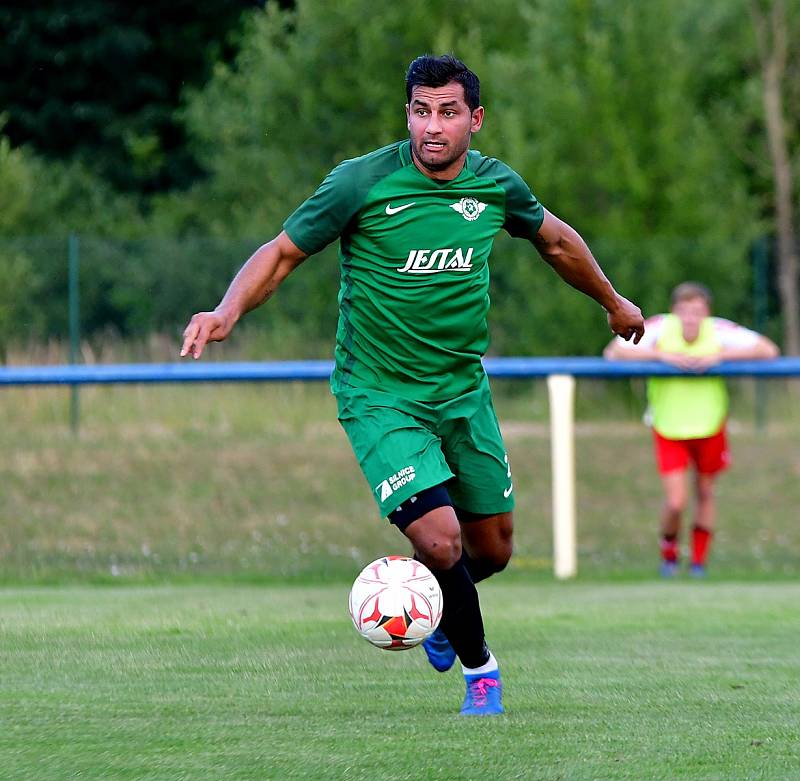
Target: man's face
(441,125)
(691,312)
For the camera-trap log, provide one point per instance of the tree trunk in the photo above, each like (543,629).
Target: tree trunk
(770,27)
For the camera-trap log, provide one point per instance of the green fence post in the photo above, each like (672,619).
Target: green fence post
(73,255)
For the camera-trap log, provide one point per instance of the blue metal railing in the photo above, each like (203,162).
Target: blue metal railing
(276,371)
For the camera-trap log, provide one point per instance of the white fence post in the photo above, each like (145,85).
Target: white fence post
(561,390)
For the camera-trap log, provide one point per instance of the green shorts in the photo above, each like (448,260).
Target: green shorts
(405,446)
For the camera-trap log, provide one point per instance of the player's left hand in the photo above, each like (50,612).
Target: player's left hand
(626,320)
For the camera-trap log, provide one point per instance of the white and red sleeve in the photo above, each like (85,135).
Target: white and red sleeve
(732,334)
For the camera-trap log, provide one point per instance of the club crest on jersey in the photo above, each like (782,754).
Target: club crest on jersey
(469,208)
(434,261)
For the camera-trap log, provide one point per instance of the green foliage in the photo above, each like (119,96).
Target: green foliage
(46,198)
(603,110)
(40,204)
(603,115)
(309,88)
(638,123)
(20,287)
(98,82)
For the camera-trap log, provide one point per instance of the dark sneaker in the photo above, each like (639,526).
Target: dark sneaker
(484,695)
(440,653)
(697,570)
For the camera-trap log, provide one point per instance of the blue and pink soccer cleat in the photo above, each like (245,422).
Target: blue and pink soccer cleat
(440,653)
(484,695)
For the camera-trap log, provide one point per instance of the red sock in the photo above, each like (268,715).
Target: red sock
(701,539)
(669,547)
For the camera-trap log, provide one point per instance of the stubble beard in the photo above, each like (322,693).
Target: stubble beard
(439,165)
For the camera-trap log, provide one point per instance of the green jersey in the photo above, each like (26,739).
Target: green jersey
(414,255)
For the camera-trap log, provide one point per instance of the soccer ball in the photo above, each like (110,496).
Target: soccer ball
(395,603)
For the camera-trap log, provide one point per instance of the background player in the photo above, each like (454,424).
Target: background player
(688,413)
(416,221)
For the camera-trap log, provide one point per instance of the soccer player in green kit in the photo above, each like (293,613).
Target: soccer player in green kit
(416,221)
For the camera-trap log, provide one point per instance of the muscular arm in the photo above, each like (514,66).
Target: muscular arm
(562,247)
(256,281)
(763,349)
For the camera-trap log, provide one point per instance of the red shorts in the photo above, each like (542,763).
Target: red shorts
(709,454)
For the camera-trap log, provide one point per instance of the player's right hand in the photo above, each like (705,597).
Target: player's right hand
(626,320)
(204,327)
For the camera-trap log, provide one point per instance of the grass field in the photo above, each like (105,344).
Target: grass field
(257,482)
(231,520)
(640,681)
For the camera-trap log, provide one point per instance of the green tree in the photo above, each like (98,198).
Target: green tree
(773,33)
(748,72)
(636,122)
(605,115)
(40,197)
(310,87)
(40,204)
(601,106)
(98,82)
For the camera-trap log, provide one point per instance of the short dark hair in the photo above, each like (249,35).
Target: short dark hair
(429,71)
(686,291)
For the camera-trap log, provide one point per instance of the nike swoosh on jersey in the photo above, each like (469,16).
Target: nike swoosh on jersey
(508,491)
(390,210)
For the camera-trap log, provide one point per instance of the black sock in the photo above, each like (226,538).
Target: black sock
(478,569)
(462,622)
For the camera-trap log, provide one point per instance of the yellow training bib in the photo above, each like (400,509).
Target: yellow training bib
(687,407)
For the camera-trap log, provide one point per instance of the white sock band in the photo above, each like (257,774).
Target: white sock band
(489,667)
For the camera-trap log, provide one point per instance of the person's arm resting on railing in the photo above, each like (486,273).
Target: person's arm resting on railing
(690,338)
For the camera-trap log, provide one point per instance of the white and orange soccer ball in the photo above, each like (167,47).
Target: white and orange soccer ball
(395,603)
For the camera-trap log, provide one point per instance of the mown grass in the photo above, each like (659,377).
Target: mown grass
(191,678)
(604,681)
(257,481)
